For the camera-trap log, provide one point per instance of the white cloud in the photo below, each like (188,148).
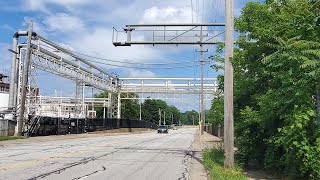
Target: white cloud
(167,15)
(44,5)
(99,43)
(86,26)
(63,22)
(138,73)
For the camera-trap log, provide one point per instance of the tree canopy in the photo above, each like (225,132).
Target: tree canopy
(276,86)
(130,109)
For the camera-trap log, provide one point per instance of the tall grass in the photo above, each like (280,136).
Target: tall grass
(214,164)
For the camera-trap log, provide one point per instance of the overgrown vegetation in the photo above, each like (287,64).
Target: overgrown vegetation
(213,161)
(277,86)
(5,138)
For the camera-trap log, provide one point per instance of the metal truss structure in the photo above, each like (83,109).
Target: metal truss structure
(53,63)
(160,96)
(65,106)
(40,53)
(173,34)
(115,106)
(50,57)
(167,88)
(160,34)
(168,85)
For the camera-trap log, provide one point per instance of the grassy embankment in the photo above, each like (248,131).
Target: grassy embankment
(5,138)
(213,162)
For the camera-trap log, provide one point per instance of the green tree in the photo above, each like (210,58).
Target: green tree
(215,115)
(130,108)
(99,110)
(150,110)
(276,66)
(190,117)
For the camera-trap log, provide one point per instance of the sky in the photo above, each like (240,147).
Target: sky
(86,26)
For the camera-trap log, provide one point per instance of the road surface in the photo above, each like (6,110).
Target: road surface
(136,156)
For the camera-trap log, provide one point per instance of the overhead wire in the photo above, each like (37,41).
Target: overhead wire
(117,61)
(136,63)
(135,67)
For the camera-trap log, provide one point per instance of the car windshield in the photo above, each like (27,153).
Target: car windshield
(162,126)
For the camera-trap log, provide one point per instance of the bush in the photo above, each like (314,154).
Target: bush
(248,133)
(301,143)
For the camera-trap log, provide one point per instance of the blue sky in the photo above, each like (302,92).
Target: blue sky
(86,26)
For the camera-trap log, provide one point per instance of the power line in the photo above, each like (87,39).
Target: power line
(134,67)
(117,61)
(168,63)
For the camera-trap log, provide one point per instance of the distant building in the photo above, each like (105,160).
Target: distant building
(4,92)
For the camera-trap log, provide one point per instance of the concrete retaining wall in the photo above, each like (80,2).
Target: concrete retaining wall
(7,127)
(214,130)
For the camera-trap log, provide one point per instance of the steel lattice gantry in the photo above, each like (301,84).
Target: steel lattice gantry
(167,88)
(173,34)
(46,61)
(165,34)
(50,57)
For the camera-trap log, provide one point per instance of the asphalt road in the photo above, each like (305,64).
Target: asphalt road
(136,156)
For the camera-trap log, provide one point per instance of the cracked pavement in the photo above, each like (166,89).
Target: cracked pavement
(135,156)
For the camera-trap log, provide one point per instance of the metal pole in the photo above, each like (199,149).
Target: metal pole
(172,119)
(82,103)
(140,112)
(164,120)
(14,65)
(119,106)
(228,87)
(159,116)
(77,125)
(193,120)
(104,110)
(92,108)
(24,82)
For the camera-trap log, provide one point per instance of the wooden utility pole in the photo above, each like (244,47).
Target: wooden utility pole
(228,87)
(202,109)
